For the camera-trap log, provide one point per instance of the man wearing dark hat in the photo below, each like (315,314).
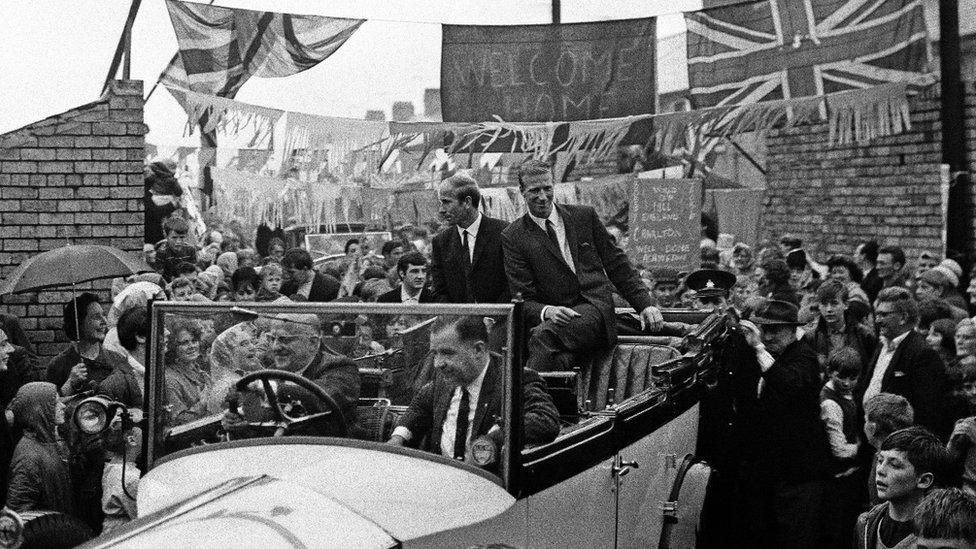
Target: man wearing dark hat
(786,467)
(711,288)
(664,289)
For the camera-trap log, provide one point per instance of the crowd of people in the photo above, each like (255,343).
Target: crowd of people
(848,407)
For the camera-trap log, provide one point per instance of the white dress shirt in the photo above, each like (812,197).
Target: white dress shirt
(472,230)
(888,349)
(405,296)
(560,228)
(450,420)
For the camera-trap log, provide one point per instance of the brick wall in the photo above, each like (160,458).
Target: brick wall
(74,177)
(834,196)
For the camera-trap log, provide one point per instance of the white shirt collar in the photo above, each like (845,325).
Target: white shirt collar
(405,296)
(553,216)
(893,344)
(474,388)
(472,228)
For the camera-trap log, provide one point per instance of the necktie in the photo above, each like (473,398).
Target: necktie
(551,231)
(461,435)
(467,250)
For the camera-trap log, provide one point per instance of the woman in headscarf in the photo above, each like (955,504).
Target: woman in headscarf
(39,475)
(227,262)
(234,353)
(188,384)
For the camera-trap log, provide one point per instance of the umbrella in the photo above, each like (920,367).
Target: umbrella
(70,265)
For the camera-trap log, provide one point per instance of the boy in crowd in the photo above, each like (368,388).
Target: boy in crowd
(175,248)
(836,329)
(946,519)
(845,490)
(664,288)
(884,414)
(910,463)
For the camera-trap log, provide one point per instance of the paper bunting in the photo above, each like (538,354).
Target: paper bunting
(866,114)
(333,137)
(228,115)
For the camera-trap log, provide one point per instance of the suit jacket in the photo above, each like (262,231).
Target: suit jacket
(425,416)
(393,296)
(536,268)
(792,441)
(324,288)
(917,373)
(486,282)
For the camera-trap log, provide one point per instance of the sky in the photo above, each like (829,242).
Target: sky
(56,53)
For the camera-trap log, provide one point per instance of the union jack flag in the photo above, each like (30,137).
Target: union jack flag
(220,48)
(781,49)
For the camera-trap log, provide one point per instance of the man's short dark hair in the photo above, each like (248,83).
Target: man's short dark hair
(389,246)
(897,254)
(832,289)
(349,243)
(464,186)
(244,277)
(869,249)
(904,303)
(889,412)
(175,224)
(843,261)
(532,167)
(296,258)
(71,320)
(132,323)
(947,513)
(922,449)
(408,259)
(469,329)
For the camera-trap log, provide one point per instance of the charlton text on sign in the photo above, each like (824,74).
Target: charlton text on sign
(665,223)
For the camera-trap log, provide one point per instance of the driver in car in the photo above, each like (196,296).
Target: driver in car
(297,347)
(463,401)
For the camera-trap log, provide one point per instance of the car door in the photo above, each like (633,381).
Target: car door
(646,469)
(572,500)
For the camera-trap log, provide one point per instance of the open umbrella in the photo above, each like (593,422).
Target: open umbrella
(70,265)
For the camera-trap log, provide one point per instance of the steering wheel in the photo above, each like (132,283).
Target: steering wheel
(282,422)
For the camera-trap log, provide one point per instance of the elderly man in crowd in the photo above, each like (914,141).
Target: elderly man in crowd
(562,261)
(784,475)
(904,364)
(459,405)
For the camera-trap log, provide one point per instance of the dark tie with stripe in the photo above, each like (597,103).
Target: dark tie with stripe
(461,435)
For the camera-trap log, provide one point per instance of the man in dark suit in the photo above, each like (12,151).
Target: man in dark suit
(461,403)
(565,265)
(412,268)
(786,463)
(904,364)
(466,264)
(304,281)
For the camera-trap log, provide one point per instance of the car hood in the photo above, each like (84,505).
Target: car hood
(387,491)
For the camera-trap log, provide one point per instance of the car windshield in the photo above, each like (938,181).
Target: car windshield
(232,371)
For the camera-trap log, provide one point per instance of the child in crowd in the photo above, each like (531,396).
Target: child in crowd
(946,519)
(180,289)
(245,283)
(911,462)
(845,491)
(175,248)
(884,414)
(271,277)
(122,449)
(664,287)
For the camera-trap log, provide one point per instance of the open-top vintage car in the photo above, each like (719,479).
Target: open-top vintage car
(293,470)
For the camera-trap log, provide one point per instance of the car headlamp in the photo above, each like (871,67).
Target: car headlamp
(94,414)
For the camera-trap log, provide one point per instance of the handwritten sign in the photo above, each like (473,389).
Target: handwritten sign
(665,223)
(543,73)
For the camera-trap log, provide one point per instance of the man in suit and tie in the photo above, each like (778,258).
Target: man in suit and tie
(904,364)
(304,281)
(565,265)
(412,268)
(463,401)
(466,264)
